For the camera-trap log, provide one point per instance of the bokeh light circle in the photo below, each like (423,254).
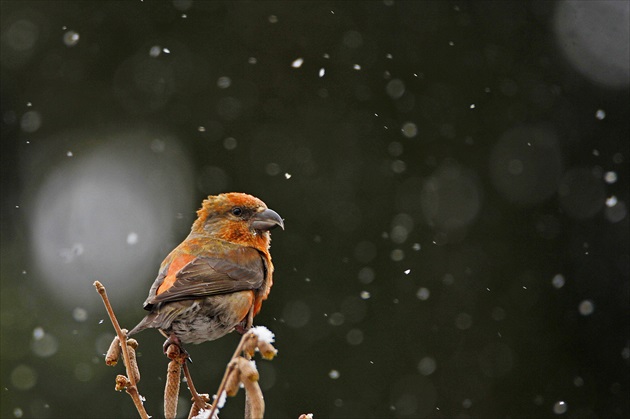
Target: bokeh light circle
(450,197)
(86,207)
(23,377)
(595,38)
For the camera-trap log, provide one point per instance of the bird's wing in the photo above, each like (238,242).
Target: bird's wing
(236,270)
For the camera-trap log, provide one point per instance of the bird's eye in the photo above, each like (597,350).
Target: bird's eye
(237,211)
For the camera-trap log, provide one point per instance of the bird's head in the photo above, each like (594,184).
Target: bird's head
(237,218)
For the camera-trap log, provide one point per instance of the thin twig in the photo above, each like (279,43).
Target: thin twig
(132,388)
(201,404)
(194,409)
(121,336)
(231,366)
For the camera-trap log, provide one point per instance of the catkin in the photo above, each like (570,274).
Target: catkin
(132,345)
(254,402)
(233,383)
(267,350)
(171,390)
(113,353)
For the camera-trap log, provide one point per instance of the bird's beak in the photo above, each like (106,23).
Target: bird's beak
(266,220)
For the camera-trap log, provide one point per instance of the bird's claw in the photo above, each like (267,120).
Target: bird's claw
(240,329)
(174,340)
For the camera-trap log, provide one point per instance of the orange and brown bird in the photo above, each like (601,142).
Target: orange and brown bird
(215,281)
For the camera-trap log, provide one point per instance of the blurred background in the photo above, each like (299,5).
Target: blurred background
(453,177)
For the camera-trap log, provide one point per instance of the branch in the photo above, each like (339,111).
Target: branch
(129,356)
(241,370)
(199,400)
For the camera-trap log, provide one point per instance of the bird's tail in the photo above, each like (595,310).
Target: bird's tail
(146,323)
(161,316)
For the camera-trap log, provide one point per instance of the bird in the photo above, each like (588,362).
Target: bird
(214,282)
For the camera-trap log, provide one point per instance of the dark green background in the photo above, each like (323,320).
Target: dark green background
(504,341)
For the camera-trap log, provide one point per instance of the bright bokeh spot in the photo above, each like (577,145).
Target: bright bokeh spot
(86,208)
(595,38)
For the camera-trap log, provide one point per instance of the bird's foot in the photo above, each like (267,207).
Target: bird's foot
(241,328)
(174,340)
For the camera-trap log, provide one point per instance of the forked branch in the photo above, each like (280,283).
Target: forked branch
(241,370)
